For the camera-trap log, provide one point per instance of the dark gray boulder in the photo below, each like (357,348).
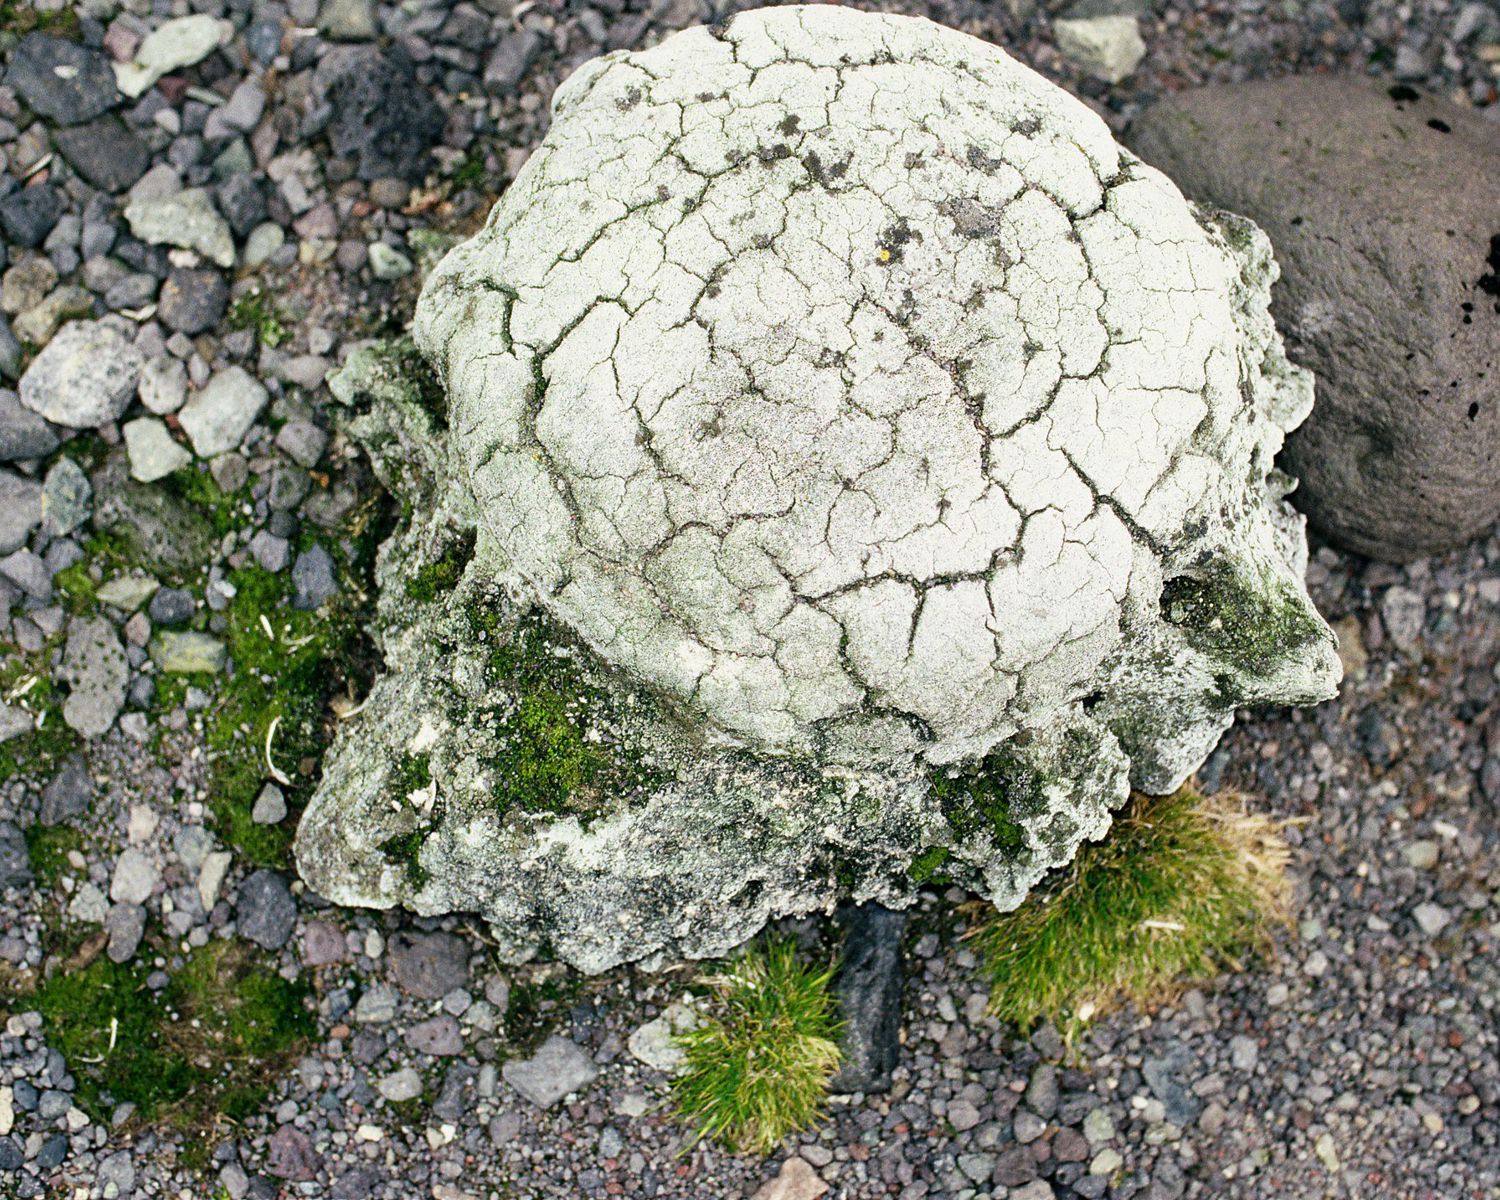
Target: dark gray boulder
(104,153)
(383,118)
(1381,206)
(61,80)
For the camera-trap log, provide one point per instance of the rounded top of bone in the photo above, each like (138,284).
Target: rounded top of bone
(844,383)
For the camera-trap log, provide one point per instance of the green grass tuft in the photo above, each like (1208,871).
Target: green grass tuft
(1181,888)
(757,1068)
(208,1046)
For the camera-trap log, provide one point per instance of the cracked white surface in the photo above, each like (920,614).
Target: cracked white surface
(844,387)
(839,377)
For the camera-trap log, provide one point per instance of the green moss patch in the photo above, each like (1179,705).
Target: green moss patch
(287,664)
(208,1046)
(76,589)
(1253,624)
(48,848)
(927,867)
(404,850)
(256,311)
(227,512)
(434,579)
(990,797)
(18,18)
(1180,888)
(562,753)
(26,680)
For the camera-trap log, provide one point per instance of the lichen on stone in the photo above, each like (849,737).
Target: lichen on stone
(863,470)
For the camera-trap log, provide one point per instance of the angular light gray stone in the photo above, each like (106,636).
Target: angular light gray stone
(187,219)
(656,1042)
(1383,213)
(270,806)
(176,44)
(29,573)
(217,418)
(401,1085)
(128,592)
(84,377)
(14,721)
(163,385)
(67,498)
(188,652)
(96,671)
(20,510)
(154,452)
(1107,46)
(559,1068)
(831,456)
(135,877)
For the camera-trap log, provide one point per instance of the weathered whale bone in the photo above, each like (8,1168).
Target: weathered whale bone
(845,466)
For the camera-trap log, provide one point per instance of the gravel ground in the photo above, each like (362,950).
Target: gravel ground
(1362,1061)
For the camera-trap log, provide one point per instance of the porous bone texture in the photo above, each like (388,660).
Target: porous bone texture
(893,447)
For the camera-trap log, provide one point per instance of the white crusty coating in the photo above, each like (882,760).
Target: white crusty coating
(834,370)
(858,403)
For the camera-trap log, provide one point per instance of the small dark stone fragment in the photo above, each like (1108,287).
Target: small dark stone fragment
(869,992)
(15,862)
(69,794)
(62,80)
(267,911)
(193,299)
(382,116)
(27,216)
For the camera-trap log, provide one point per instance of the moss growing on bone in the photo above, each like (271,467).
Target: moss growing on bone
(990,797)
(927,867)
(435,578)
(404,850)
(562,752)
(1254,624)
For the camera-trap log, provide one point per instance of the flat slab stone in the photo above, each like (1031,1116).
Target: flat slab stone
(557,1069)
